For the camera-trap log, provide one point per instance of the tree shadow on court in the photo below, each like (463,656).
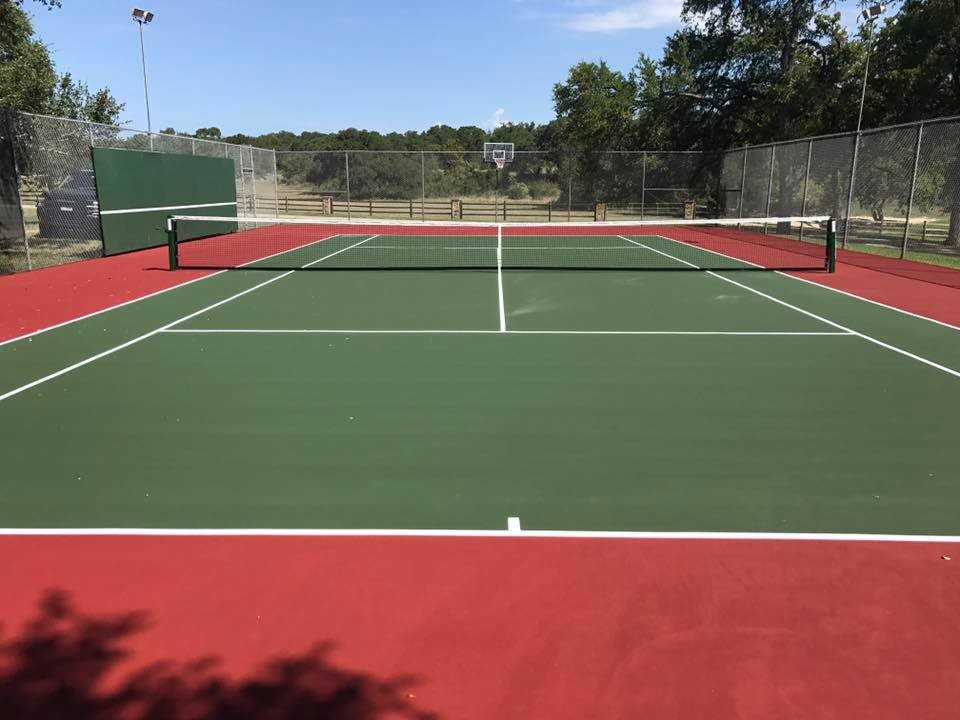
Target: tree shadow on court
(67,664)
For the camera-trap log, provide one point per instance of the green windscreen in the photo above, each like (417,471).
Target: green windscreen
(138,191)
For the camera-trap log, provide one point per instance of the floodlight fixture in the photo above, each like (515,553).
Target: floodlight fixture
(873,12)
(141,16)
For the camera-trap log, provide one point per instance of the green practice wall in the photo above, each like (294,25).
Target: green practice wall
(138,191)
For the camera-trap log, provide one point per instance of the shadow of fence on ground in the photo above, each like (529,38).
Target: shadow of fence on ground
(68,664)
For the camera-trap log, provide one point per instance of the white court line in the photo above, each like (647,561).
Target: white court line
(525,534)
(507,248)
(502,307)
(154,294)
(167,207)
(513,524)
(868,338)
(868,300)
(327,331)
(787,274)
(140,338)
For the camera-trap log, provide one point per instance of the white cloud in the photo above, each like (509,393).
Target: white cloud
(640,15)
(496,119)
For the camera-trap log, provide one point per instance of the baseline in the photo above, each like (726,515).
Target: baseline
(558,534)
(323,331)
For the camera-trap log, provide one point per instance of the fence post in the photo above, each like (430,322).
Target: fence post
(743,183)
(193,146)
(7,116)
(253,181)
(276,184)
(423,189)
(643,186)
(346,165)
(569,189)
(913,187)
(243,179)
(806,182)
(773,161)
(853,182)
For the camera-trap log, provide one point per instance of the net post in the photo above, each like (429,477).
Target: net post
(831,259)
(172,243)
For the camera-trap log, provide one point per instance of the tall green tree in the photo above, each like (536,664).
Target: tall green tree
(27,77)
(749,71)
(595,107)
(915,69)
(915,75)
(29,82)
(208,133)
(74,100)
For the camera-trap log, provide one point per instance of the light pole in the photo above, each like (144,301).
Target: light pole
(869,15)
(144,17)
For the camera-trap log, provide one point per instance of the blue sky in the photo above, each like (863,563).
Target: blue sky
(253,66)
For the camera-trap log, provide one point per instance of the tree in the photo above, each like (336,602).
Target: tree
(27,76)
(522,135)
(916,74)
(749,71)
(74,100)
(207,133)
(595,107)
(29,82)
(915,69)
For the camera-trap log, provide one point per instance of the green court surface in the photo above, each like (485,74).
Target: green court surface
(584,400)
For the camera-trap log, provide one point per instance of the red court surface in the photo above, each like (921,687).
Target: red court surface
(933,300)
(478,628)
(35,300)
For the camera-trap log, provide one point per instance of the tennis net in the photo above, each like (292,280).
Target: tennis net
(296,243)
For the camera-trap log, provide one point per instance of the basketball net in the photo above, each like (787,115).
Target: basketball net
(500,161)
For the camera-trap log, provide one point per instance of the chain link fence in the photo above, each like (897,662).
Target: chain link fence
(896,189)
(535,187)
(56,191)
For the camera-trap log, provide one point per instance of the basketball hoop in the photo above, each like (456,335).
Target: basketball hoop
(498,153)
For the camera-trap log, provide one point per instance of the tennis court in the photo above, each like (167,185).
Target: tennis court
(596,400)
(475,471)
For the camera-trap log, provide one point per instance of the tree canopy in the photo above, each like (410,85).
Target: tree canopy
(29,81)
